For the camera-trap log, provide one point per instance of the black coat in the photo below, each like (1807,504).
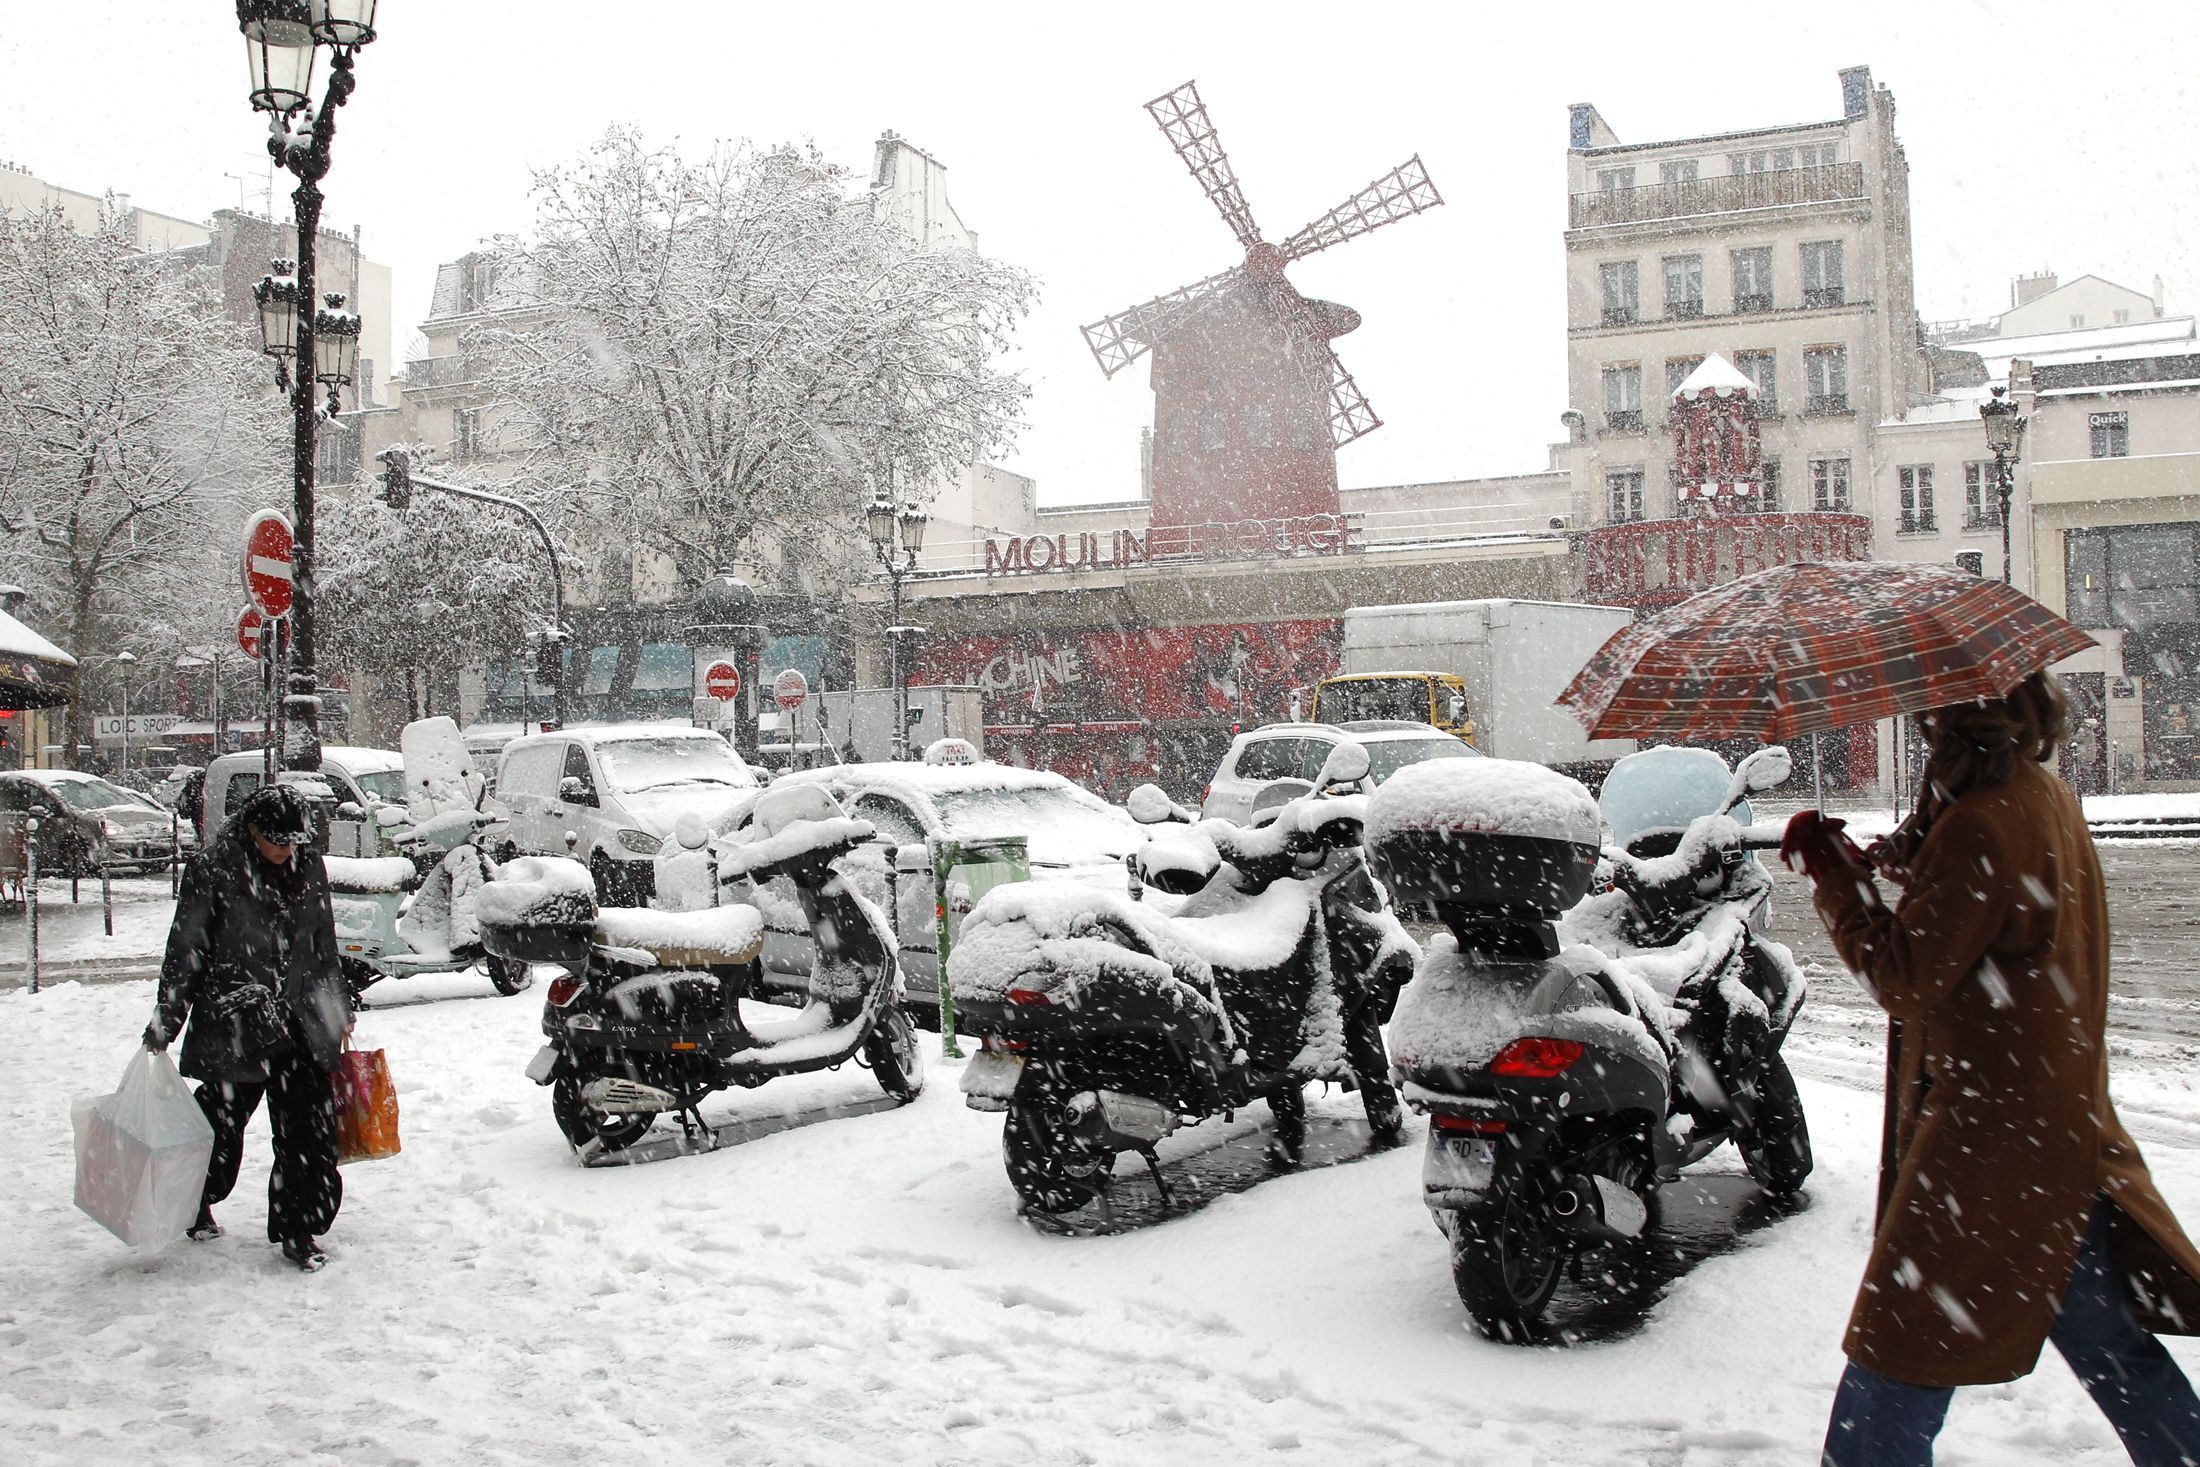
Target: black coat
(240,920)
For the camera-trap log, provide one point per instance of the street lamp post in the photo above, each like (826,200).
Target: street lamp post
(125,660)
(2005,437)
(315,344)
(723,613)
(896,537)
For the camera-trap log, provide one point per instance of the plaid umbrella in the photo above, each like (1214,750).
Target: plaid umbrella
(1798,649)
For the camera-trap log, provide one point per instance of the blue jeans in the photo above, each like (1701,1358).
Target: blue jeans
(1879,1422)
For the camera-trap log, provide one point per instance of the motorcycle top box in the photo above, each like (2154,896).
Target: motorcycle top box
(1486,835)
(541,909)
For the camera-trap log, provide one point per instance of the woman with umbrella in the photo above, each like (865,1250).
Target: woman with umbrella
(2014,1209)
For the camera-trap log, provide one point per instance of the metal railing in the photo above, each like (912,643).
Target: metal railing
(451,371)
(1682,198)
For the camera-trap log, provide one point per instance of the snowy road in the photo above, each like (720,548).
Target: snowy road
(861,1291)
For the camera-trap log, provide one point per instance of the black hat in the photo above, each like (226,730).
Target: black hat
(279,813)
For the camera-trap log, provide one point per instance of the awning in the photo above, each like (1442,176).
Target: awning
(34,673)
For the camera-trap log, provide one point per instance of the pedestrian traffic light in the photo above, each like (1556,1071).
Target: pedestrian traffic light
(397,487)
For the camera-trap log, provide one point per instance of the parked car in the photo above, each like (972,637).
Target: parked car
(617,789)
(86,823)
(1070,834)
(1267,768)
(364,781)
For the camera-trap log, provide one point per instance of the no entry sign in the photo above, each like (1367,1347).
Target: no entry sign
(722,680)
(790,689)
(267,553)
(249,622)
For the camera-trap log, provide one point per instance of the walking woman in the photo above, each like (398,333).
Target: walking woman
(2016,1210)
(251,963)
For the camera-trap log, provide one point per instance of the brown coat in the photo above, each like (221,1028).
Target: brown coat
(1996,962)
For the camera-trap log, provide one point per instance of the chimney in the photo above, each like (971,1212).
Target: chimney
(1856,91)
(2157,297)
(2026,289)
(1586,129)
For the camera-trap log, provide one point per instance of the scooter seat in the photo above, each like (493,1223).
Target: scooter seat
(712,937)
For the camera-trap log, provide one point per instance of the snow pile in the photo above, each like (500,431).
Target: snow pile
(444,915)
(712,935)
(539,891)
(1458,1012)
(1483,796)
(439,774)
(373,873)
(1228,928)
(1700,853)
(1183,851)
(755,849)
(1068,939)
(1602,922)
(686,880)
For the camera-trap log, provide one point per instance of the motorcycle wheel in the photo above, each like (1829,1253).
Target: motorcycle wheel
(894,1054)
(582,1125)
(1051,1170)
(1506,1266)
(1776,1148)
(507,976)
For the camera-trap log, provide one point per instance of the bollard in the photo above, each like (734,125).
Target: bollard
(30,894)
(175,852)
(106,899)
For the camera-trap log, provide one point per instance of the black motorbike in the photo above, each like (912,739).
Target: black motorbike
(1108,1023)
(1572,1067)
(647,1020)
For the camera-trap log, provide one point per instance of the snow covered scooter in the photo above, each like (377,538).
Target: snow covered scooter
(647,1019)
(1571,1067)
(1106,1024)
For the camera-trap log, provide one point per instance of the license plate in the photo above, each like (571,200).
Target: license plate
(1459,1163)
(992,1075)
(545,1060)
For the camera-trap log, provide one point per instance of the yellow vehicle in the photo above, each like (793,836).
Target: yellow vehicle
(1436,698)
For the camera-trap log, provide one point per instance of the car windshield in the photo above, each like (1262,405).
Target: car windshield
(1058,826)
(645,764)
(1387,756)
(386,785)
(1357,702)
(95,794)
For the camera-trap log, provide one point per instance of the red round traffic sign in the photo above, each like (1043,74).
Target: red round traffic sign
(790,689)
(249,622)
(722,680)
(268,545)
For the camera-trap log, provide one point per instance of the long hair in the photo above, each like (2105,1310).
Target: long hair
(1972,746)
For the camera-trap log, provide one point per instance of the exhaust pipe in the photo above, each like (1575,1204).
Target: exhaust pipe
(1597,1208)
(619,1096)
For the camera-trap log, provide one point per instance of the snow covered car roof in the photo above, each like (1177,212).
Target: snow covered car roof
(603,733)
(906,778)
(358,759)
(1094,831)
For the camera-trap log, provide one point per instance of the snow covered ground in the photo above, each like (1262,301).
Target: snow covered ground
(862,1291)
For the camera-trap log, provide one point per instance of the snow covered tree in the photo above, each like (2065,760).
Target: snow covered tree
(733,356)
(136,422)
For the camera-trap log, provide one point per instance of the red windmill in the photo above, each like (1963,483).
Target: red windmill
(1250,401)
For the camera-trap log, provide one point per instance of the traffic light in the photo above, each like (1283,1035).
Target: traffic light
(550,660)
(397,485)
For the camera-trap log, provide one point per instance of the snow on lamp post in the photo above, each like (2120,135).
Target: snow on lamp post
(282,38)
(896,537)
(2005,439)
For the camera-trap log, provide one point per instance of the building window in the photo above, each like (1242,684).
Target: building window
(1822,279)
(1825,379)
(1623,489)
(1762,368)
(1917,499)
(2111,434)
(1972,562)
(2123,318)
(2077,321)
(1612,180)
(1214,428)
(2144,578)
(1260,426)
(1683,285)
(1676,372)
(477,281)
(1753,279)
(1771,160)
(1981,496)
(1829,484)
(1622,292)
(1768,489)
(1677,170)
(336,452)
(465,434)
(1623,398)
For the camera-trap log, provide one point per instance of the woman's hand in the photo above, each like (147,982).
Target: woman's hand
(1816,845)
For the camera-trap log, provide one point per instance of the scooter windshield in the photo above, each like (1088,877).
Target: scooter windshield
(1663,790)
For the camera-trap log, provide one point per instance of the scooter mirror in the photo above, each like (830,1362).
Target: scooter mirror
(690,831)
(1150,805)
(389,817)
(350,811)
(1768,767)
(1347,764)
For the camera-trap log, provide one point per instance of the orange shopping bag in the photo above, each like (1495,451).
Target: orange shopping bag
(366,1107)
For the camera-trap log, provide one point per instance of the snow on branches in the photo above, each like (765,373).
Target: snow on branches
(735,354)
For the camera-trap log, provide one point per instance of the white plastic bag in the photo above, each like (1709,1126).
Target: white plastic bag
(141,1154)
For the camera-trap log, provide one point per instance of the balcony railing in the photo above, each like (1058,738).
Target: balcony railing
(1684,310)
(1618,316)
(1825,404)
(447,371)
(1918,524)
(1752,304)
(1625,420)
(1736,192)
(1824,295)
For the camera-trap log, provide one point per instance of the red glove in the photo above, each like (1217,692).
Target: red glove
(1816,846)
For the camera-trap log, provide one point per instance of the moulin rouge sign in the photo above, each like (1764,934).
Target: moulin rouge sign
(1313,534)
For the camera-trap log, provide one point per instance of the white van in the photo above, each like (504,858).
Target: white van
(363,779)
(618,790)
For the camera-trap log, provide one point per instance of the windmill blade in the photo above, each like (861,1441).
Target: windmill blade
(1127,335)
(1350,414)
(1398,194)
(1183,119)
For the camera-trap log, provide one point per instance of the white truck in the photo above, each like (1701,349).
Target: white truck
(1488,671)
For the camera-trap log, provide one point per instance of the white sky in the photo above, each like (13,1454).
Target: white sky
(2036,139)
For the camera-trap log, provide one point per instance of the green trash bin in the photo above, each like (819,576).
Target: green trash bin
(962,872)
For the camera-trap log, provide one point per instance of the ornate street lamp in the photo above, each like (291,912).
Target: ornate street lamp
(314,347)
(884,523)
(2005,439)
